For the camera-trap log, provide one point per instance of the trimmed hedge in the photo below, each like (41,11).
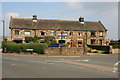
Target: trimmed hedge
(117,46)
(18,48)
(106,49)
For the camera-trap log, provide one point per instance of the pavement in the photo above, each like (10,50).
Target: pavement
(45,66)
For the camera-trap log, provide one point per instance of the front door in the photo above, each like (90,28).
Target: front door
(100,42)
(71,43)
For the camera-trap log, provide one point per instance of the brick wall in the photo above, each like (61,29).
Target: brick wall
(64,51)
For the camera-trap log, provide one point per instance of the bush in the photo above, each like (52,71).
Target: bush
(37,47)
(48,39)
(53,42)
(14,47)
(99,47)
(32,39)
(117,46)
(100,51)
(65,45)
(28,39)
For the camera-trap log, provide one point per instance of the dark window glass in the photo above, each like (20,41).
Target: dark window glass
(92,41)
(42,33)
(16,32)
(93,34)
(71,33)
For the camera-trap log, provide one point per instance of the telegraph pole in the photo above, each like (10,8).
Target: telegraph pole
(85,43)
(3,48)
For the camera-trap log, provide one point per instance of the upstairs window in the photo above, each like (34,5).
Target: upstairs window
(93,41)
(71,33)
(27,32)
(79,34)
(101,34)
(93,34)
(16,32)
(42,33)
(52,33)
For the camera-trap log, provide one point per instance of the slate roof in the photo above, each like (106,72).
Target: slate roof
(49,24)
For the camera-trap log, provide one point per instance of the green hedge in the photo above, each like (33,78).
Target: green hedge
(106,49)
(116,46)
(18,48)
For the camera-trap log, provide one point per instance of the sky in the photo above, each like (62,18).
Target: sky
(106,12)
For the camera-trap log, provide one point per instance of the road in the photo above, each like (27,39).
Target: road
(15,66)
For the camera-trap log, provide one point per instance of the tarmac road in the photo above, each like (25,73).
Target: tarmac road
(15,66)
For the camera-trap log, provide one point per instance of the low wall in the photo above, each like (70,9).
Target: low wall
(64,51)
(115,51)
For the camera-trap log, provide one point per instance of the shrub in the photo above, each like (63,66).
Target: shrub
(28,39)
(100,51)
(88,51)
(65,45)
(48,39)
(14,47)
(37,47)
(116,46)
(99,47)
(32,39)
(53,42)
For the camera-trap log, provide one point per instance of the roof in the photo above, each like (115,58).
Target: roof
(49,24)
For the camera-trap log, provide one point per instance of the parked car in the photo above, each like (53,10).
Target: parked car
(56,45)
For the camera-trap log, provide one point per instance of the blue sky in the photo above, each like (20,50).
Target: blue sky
(106,12)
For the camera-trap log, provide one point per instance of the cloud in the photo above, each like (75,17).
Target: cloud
(13,14)
(73,4)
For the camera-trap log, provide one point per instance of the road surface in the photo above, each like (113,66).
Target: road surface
(15,66)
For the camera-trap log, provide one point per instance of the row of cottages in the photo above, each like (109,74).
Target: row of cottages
(66,31)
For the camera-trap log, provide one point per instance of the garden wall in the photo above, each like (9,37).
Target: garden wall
(64,51)
(115,51)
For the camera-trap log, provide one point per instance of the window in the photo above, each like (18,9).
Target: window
(92,41)
(101,34)
(52,32)
(16,32)
(93,34)
(42,33)
(79,43)
(71,33)
(80,34)
(27,32)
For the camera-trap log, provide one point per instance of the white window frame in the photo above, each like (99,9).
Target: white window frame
(27,32)
(101,34)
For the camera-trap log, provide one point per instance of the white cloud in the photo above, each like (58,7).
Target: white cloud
(13,14)
(73,4)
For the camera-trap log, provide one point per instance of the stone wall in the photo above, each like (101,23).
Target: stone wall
(115,51)
(64,51)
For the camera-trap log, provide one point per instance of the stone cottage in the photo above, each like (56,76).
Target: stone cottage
(72,32)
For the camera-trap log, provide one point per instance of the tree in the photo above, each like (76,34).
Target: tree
(32,39)
(28,39)
(53,41)
(48,39)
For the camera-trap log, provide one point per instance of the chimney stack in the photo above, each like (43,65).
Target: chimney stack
(34,18)
(81,19)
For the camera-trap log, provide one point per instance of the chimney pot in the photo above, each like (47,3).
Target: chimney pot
(81,19)
(34,18)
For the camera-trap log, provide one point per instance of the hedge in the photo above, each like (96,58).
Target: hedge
(18,48)
(106,49)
